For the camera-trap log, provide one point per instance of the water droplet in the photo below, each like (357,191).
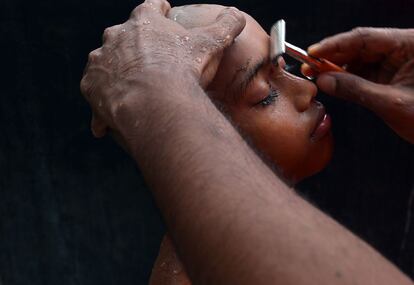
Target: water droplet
(164,263)
(123,30)
(186,38)
(198,60)
(228,37)
(220,41)
(179,13)
(176,271)
(147,22)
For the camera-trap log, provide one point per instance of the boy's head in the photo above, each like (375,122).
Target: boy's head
(273,108)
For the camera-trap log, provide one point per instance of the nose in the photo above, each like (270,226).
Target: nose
(301,92)
(306,93)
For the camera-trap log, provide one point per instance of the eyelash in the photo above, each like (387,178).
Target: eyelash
(270,99)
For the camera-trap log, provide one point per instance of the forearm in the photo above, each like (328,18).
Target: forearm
(233,221)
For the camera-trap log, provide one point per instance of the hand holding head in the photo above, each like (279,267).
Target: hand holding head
(145,51)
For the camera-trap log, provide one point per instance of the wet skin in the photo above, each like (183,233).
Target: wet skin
(273,109)
(276,110)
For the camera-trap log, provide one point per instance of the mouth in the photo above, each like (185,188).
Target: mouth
(323,123)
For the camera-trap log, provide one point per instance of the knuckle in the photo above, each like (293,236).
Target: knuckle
(362,32)
(153,2)
(400,101)
(232,13)
(358,30)
(232,17)
(137,10)
(106,33)
(163,4)
(208,43)
(166,4)
(84,86)
(94,56)
(109,34)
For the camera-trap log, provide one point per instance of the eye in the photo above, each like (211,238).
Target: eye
(271,97)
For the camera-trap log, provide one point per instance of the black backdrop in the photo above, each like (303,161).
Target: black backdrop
(75,210)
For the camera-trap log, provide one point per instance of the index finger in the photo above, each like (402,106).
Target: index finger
(158,6)
(228,25)
(369,42)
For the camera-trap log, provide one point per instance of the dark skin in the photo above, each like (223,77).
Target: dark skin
(381,78)
(263,232)
(280,127)
(276,110)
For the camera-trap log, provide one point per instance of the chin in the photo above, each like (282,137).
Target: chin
(317,159)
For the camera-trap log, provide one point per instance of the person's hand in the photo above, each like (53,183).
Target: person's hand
(380,62)
(140,59)
(168,268)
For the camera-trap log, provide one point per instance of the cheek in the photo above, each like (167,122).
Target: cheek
(284,126)
(284,141)
(283,135)
(279,133)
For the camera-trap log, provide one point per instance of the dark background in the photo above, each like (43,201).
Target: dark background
(75,210)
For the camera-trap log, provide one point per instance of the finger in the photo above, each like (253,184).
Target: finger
(372,41)
(405,76)
(161,7)
(376,97)
(342,58)
(86,86)
(229,24)
(307,71)
(98,127)
(111,33)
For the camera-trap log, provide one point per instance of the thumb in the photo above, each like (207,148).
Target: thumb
(376,97)
(229,24)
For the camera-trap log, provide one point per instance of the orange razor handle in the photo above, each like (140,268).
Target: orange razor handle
(324,65)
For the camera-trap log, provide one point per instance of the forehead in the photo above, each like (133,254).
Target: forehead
(251,46)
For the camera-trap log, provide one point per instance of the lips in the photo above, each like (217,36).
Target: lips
(323,123)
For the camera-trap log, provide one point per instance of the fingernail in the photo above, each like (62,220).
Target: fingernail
(327,83)
(229,11)
(314,48)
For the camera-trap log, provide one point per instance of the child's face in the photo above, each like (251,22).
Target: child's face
(274,109)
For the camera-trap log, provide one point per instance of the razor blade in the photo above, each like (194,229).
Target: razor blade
(279,46)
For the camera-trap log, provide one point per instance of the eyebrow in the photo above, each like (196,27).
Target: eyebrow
(251,74)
